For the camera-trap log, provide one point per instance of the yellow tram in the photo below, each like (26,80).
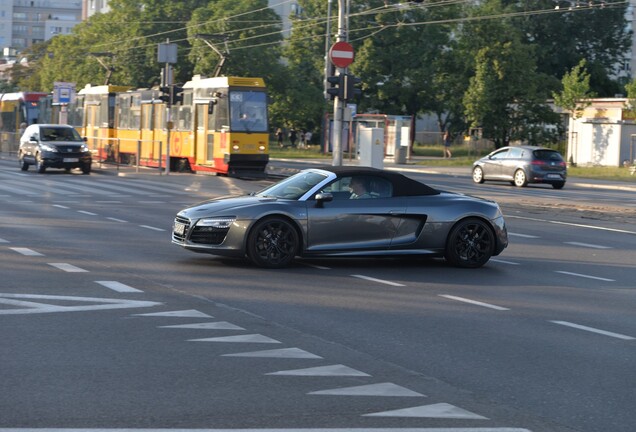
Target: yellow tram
(220,125)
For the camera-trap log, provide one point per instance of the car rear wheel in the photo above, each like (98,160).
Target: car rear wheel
(470,243)
(558,185)
(273,243)
(478,174)
(86,169)
(520,178)
(39,164)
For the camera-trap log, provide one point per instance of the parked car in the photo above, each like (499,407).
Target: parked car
(53,146)
(522,165)
(344,212)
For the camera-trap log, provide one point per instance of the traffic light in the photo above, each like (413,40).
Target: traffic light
(337,86)
(350,92)
(176,94)
(165,94)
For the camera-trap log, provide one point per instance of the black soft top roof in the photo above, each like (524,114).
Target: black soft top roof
(402,185)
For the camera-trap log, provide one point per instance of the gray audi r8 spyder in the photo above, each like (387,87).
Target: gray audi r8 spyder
(344,212)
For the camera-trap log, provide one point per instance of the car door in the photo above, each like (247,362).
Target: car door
(354,225)
(493,165)
(511,162)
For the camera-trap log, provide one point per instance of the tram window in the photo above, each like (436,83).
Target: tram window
(219,119)
(201,112)
(248,111)
(184,118)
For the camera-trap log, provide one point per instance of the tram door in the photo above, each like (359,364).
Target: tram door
(204,145)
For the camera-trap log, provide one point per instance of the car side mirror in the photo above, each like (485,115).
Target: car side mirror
(85,139)
(33,140)
(322,198)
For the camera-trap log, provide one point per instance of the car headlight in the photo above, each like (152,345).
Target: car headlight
(48,148)
(218,222)
(84,148)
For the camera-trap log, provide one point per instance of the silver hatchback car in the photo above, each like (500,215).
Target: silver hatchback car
(522,165)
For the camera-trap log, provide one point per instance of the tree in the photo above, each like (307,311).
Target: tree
(575,95)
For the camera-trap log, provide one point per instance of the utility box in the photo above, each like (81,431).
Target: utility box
(371,147)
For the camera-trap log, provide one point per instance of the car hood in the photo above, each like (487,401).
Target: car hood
(224,206)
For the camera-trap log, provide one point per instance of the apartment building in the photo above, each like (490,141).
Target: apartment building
(26,22)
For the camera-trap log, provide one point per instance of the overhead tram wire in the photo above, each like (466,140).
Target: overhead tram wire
(374,29)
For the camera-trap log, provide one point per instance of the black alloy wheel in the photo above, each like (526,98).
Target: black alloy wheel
(273,243)
(470,243)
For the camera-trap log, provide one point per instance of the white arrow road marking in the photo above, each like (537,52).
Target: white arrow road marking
(277,353)
(440,410)
(30,307)
(383,389)
(333,370)
(220,325)
(118,286)
(26,251)
(251,338)
(181,314)
(70,268)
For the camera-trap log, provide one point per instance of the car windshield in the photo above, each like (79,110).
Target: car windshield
(59,134)
(293,187)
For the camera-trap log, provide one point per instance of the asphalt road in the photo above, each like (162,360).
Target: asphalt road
(105,324)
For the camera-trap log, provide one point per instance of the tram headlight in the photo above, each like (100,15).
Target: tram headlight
(235,147)
(261,148)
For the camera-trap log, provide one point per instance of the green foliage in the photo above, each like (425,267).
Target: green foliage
(576,89)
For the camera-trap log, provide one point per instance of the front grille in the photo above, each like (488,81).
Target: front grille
(208,235)
(181,236)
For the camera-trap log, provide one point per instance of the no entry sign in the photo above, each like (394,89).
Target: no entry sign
(341,54)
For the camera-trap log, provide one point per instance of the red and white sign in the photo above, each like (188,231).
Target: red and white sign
(341,54)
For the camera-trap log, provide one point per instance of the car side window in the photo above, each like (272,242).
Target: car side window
(501,154)
(514,153)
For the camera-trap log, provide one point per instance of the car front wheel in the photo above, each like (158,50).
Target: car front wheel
(520,178)
(478,174)
(23,165)
(39,164)
(470,243)
(273,243)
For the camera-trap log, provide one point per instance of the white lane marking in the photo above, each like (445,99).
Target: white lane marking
(108,202)
(118,286)
(377,280)
(523,235)
(332,370)
(26,251)
(30,307)
(152,202)
(319,267)
(152,228)
(277,353)
(116,220)
(382,389)
(60,206)
(251,338)
(460,429)
(220,325)
(504,262)
(191,313)
(593,330)
(574,224)
(478,303)
(87,212)
(440,410)
(585,276)
(588,245)
(70,268)
(3,240)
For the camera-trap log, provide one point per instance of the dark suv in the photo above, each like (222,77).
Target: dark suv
(53,146)
(522,165)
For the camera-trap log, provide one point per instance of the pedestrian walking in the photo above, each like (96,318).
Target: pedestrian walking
(279,137)
(302,143)
(447,143)
(293,136)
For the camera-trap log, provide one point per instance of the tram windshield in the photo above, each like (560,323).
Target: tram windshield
(248,111)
